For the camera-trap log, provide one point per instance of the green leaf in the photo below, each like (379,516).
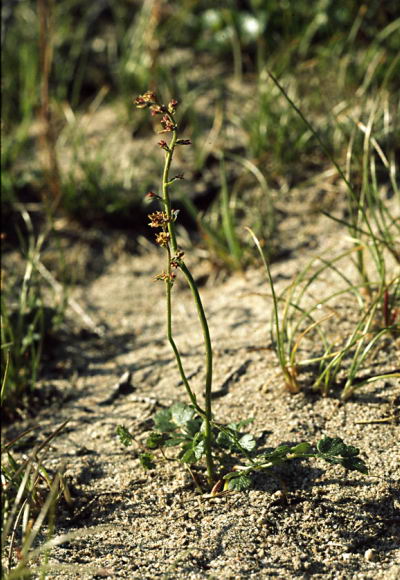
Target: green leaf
(278,454)
(182,414)
(188,456)
(231,439)
(355,464)
(240,424)
(224,440)
(301,449)
(335,451)
(193,426)
(336,446)
(199,450)
(124,436)
(162,421)
(176,439)
(13,463)
(155,440)
(146,461)
(240,483)
(248,442)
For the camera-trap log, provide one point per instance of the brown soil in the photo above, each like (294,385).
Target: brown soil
(302,520)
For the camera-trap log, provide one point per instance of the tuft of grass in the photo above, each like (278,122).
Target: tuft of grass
(298,318)
(26,320)
(30,496)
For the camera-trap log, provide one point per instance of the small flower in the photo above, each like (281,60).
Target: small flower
(166,277)
(152,195)
(167,125)
(176,260)
(147,100)
(172,106)
(183,142)
(162,239)
(158,219)
(157,109)
(163,144)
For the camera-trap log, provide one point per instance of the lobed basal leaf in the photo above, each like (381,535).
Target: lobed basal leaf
(248,442)
(124,436)
(182,414)
(162,421)
(240,483)
(147,461)
(335,451)
(155,440)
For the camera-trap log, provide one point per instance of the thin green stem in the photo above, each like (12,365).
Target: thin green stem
(209,368)
(168,288)
(207,414)
(165,185)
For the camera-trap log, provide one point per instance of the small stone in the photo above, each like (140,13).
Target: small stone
(297,564)
(370,555)
(346,556)
(278,495)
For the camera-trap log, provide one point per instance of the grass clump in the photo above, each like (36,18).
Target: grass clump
(373,231)
(300,322)
(30,496)
(27,321)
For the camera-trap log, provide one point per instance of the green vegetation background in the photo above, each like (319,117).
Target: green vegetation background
(328,54)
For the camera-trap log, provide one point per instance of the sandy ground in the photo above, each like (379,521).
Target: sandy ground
(302,520)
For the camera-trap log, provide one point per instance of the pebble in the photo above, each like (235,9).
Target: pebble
(278,495)
(370,555)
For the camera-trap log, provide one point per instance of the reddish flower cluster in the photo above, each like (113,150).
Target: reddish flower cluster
(165,277)
(167,125)
(162,239)
(158,219)
(147,100)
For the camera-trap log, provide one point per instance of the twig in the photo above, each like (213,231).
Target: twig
(383,420)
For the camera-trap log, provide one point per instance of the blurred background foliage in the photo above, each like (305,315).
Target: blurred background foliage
(330,56)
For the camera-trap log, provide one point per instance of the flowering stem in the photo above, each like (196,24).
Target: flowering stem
(166,220)
(165,185)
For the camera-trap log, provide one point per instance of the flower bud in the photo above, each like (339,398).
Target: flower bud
(172,106)
(164,145)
